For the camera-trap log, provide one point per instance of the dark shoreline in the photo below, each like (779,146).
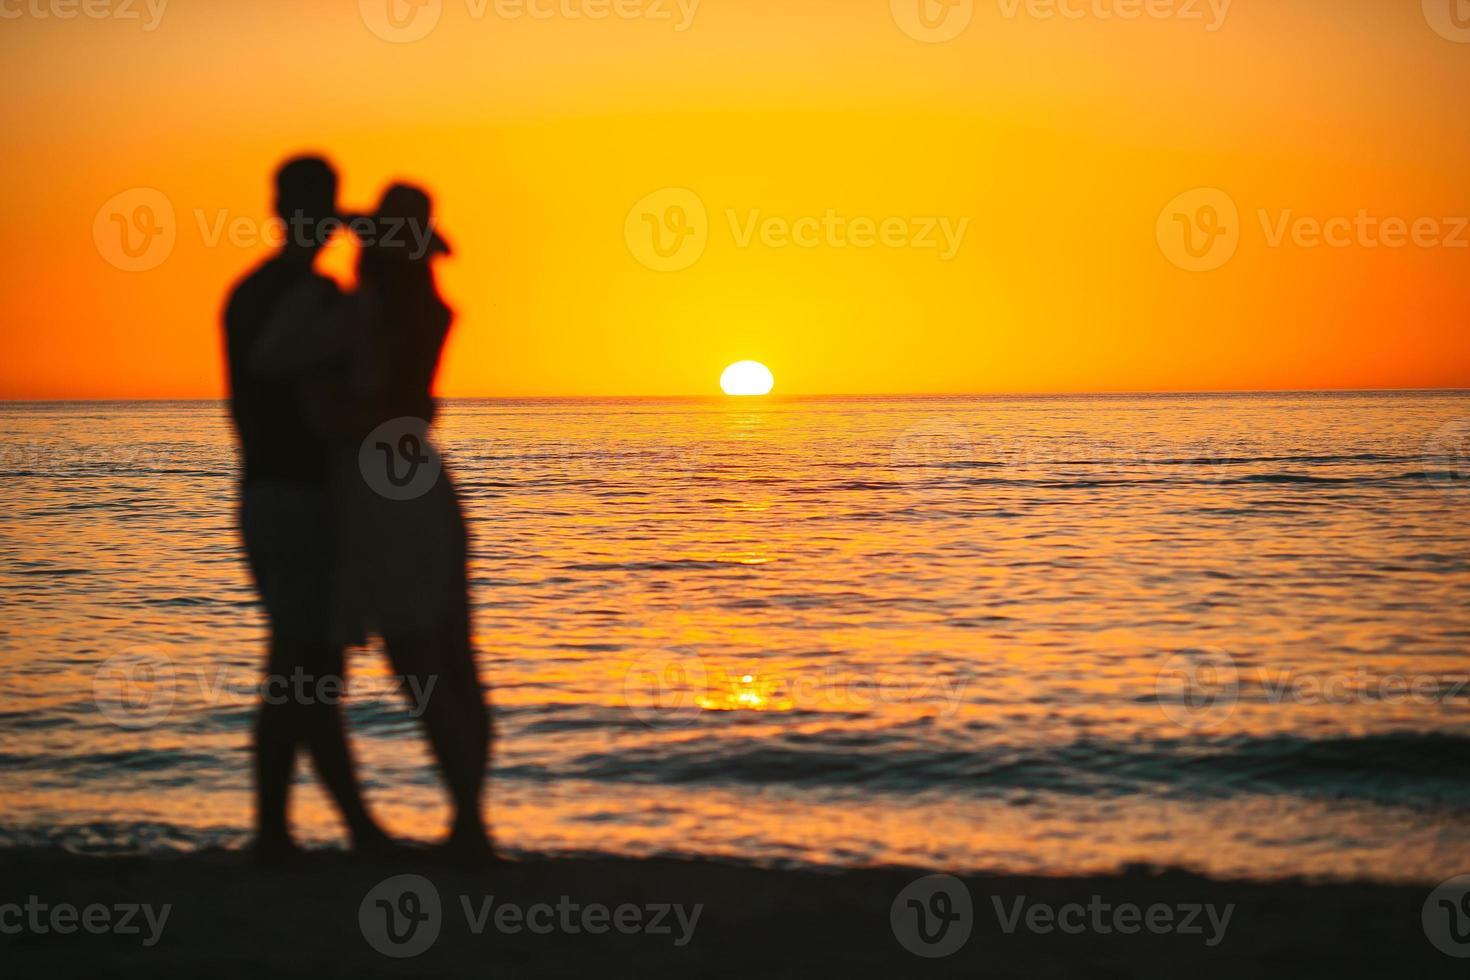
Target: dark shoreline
(230,917)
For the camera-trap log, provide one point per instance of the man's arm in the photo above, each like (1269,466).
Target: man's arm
(311,325)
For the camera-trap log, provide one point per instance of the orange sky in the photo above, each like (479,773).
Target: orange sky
(1053,143)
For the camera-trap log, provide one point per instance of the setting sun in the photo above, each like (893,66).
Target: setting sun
(747,378)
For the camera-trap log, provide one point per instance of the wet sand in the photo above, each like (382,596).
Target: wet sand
(230,917)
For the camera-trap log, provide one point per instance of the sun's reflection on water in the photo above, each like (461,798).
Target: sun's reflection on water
(745,692)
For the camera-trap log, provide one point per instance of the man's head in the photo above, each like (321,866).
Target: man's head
(306,196)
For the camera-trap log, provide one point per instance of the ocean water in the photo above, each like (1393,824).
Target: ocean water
(1024,634)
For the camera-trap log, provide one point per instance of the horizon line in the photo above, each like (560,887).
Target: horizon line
(776,396)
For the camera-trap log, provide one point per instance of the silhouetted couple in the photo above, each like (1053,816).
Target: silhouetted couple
(319,376)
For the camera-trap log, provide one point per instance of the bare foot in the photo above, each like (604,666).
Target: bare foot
(469,846)
(375,843)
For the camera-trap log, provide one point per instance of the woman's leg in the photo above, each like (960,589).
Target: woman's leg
(440,665)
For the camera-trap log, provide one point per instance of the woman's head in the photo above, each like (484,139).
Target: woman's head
(401,229)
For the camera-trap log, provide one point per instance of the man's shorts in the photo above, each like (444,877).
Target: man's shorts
(287,527)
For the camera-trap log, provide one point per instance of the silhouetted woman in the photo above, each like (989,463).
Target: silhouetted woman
(371,358)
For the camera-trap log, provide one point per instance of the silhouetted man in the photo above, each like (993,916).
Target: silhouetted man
(286,524)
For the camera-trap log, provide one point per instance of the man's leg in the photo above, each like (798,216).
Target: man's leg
(326,739)
(275,764)
(291,555)
(276,734)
